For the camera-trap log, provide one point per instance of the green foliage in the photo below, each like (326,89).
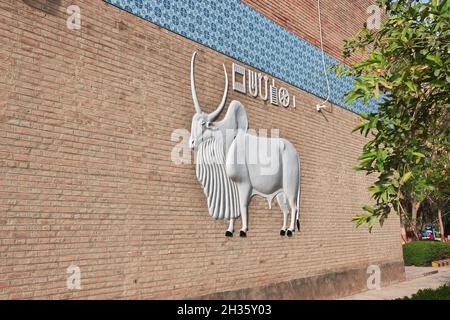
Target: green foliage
(408,71)
(422,253)
(441,293)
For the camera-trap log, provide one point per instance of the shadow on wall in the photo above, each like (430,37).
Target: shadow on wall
(46,6)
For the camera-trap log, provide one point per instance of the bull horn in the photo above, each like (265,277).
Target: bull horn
(194,93)
(213,115)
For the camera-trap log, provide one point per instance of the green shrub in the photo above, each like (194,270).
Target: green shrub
(441,293)
(422,253)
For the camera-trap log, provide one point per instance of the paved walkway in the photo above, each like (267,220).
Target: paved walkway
(418,272)
(416,278)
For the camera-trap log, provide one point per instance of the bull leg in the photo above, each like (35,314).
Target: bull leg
(244,199)
(293,204)
(282,202)
(244,229)
(230,230)
(292,225)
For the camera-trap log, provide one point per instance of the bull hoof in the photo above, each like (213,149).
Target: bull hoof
(243,234)
(289,233)
(228,233)
(282,232)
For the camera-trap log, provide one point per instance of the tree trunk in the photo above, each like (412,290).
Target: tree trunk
(415,209)
(441,224)
(403,233)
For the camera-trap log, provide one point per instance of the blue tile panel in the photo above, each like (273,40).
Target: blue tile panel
(235,29)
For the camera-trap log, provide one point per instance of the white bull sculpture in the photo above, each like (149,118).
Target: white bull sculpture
(229,171)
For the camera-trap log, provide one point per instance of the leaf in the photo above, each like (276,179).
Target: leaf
(365,155)
(369,209)
(381,220)
(364,115)
(364,218)
(384,197)
(380,166)
(375,189)
(405,177)
(419,156)
(376,91)
(411,85)
(386,84)
(370,223)
(352,96)
(404,33)
(434,58)
(422,67)
(359,127)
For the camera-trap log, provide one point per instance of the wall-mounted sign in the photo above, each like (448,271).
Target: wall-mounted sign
(261,86)
(233,165)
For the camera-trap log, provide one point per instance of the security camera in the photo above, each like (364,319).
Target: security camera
(319,107)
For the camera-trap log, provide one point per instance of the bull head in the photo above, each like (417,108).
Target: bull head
(203,123)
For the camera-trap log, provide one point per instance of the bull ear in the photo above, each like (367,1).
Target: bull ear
(236,117)
(241,118)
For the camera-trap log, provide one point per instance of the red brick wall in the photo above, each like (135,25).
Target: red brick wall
(86,118)
(341,19)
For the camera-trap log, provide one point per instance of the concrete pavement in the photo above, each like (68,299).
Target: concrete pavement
(416,278)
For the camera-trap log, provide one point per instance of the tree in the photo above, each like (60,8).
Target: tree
(407,72)
(439,179)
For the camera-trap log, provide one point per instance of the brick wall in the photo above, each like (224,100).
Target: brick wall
(86,118)
(341,20)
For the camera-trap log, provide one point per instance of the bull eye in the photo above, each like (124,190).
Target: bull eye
(203,122)
(208,125)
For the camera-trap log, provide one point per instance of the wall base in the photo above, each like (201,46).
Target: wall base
(327,286)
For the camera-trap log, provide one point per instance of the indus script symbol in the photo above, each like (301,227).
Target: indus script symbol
(232,170)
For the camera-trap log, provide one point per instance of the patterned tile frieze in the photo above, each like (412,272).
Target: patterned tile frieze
(235,29)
